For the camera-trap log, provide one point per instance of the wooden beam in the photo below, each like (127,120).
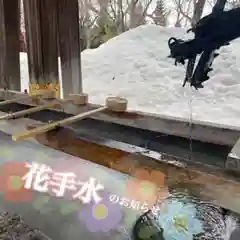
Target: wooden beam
(50,126)
(69,43)
(26,96)
(10,45)
(112,104)
(41,38)
(28,111)
(162,124)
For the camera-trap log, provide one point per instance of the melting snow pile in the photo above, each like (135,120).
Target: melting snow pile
(135,65)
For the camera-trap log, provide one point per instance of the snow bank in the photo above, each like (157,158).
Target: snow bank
(135,65)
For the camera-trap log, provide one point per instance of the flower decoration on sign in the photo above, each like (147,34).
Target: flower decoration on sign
(69,208)
(179,221)
(40,203)
(103,216)
(44,204)
(12,184)
(7,153)
(147,187)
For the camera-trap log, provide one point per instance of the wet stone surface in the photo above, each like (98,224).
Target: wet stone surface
(63,218)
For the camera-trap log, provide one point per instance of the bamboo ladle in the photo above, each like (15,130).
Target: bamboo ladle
(114,104)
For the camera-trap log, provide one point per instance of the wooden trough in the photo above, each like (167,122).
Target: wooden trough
(112,144)
(211,144)
(109,156)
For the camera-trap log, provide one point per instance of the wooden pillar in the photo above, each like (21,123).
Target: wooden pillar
(10,45)
(69,44)
(48,13)
(33,40)
(42,44)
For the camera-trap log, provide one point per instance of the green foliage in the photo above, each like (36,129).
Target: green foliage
(160,14)
(110,31)
(104,30)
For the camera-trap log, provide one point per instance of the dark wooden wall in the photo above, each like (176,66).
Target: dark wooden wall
(52,30)
(9,44)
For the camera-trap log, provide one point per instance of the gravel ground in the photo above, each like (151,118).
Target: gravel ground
(12,227)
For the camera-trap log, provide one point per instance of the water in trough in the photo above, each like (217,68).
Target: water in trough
(82,209)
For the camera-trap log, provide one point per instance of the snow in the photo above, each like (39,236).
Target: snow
(135,65)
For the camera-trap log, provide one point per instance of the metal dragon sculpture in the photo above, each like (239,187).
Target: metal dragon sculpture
(211,33)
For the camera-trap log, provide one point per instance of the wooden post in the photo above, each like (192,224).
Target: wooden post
(49,32)
(69,44)
(33,37)
(10,45)
(41,37)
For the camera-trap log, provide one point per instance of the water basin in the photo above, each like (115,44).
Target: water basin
(185,205)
